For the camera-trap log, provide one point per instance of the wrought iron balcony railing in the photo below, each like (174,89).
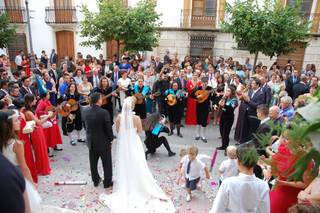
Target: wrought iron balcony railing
(61,15)
(16,15)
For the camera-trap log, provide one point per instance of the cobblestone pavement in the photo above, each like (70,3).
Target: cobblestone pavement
(72,164)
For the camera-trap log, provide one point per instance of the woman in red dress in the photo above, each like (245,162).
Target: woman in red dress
(285,192)
(52,134)
(25,138)
(38,139)
(191,118)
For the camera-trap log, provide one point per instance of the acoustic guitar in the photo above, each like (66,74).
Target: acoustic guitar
(105,99)
(141,97)
(204,95)
(70,106)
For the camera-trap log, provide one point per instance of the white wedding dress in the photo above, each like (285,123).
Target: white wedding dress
(135,190)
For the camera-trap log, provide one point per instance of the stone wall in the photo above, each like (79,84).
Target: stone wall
(224,45)
(177,40)
(312,53)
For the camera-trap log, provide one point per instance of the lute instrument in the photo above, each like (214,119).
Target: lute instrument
(204,94)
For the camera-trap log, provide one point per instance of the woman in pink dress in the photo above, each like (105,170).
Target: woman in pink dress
(191,118)
(38,139)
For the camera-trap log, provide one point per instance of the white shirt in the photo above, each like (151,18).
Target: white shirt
(228,168)
(124,82)
(242,194)
(18,60)
(196,167)
(264,120)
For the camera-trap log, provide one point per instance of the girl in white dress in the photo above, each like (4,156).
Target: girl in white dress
(123,84)
(135,190)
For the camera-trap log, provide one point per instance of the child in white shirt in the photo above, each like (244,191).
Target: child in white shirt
(191,166)
(229,168)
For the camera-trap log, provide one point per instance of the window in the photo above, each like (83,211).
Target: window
(201,46)
(305,8)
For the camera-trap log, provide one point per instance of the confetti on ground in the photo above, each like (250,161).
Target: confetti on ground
(72,164)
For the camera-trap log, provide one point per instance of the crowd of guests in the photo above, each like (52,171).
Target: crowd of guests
(220,91)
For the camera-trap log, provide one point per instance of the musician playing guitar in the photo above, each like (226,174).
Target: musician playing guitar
(106,93)
(175,110)
(140,92)
(203,95)
(73,120)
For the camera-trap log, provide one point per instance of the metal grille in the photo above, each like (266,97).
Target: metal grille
(201,46)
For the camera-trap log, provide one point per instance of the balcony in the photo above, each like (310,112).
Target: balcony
(61,15)
(16,15)
(202,19)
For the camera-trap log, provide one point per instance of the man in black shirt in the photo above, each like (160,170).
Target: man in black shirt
(12,188)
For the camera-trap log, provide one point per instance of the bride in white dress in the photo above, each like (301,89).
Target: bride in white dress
(135,190)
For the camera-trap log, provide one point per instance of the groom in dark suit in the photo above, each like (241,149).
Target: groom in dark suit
(99,137)
(254,98)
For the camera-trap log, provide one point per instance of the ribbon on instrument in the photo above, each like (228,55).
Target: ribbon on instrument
(145,90)
(232,102)
(156,130)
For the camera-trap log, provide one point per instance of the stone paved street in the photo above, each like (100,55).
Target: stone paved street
(72,164)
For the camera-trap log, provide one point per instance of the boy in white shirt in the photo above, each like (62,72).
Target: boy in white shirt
(229,168)
(192,166)
(245,192)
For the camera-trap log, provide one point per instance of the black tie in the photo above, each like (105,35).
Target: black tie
(188,167)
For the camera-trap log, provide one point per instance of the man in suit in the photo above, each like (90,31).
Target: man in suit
(266,90)
(53,73)
(53,57)
(263,128)
(108,67)
(95,78)
(254,98)
(300,88)
(4,85)
(182,82)
(99,139)
(26,87)
(158,64)
(291,81)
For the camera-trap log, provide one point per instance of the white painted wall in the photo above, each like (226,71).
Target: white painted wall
(170,10)
(42,34)
(92,6)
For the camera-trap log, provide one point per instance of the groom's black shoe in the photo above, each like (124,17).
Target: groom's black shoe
(107,185)
(97,183)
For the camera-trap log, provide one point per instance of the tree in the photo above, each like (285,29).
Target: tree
(270,28)
(7,31)
(136,27)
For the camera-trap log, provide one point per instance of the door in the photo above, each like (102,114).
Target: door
(19,43)
(65,44)
(112,48)
(63,11)
(296,56)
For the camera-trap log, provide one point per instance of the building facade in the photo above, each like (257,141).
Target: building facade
(189,27)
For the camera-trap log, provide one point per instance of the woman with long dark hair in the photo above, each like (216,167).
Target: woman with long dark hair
(38,139)
(105,89)
(10,146)
(227,104)
(73,120)
(25,138)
